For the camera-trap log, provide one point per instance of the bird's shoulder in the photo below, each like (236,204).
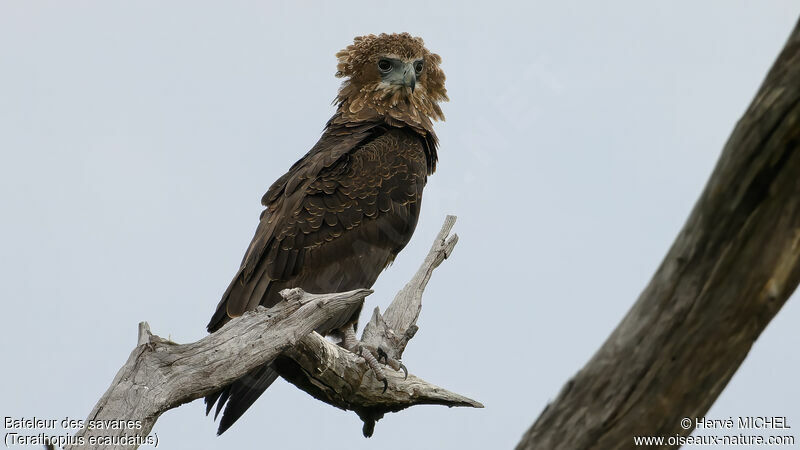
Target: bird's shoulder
(376,143)
(333,190)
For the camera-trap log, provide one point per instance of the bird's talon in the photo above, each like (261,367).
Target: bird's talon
(385,385)
(405,371)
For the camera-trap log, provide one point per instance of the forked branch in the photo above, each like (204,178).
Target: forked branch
(342,379)
(160,374)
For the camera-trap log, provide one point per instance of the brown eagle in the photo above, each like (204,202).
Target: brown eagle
(342,213)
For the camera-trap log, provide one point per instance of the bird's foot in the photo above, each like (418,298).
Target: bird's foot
(373,364)
(393,363)
(373,357)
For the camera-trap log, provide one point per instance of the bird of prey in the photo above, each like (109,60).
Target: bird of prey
(342,213)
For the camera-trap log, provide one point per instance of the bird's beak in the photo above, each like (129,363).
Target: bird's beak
(409,77)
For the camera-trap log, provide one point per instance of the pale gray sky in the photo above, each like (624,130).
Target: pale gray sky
(136,139)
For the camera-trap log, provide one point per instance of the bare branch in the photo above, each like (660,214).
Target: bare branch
(160,374)
(340,378)
(392,330)
(731,268)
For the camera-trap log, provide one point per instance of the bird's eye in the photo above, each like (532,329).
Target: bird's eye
(384,65)
(418,66)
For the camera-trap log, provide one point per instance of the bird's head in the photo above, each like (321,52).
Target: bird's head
(392,75)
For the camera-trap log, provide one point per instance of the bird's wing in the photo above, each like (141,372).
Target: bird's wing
(331,204)
(288,195)
(336,230)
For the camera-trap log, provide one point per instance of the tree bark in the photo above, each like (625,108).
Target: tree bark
(731,268)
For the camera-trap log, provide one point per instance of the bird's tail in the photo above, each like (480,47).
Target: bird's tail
(240,395)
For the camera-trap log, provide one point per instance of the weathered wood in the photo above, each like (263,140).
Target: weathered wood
(392,330)
(731,268)
(160,374)
(341,378)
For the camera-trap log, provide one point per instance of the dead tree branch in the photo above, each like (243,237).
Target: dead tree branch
(160,375)
(340,378)
(731,268)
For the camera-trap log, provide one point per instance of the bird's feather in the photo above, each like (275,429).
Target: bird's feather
(340,214)
(335,230)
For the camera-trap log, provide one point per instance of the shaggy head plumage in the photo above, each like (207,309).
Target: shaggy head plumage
(391,75)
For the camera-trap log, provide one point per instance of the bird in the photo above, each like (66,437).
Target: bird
(340,215)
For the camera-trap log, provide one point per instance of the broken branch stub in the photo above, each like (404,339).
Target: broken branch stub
(392,330)
(342,379)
